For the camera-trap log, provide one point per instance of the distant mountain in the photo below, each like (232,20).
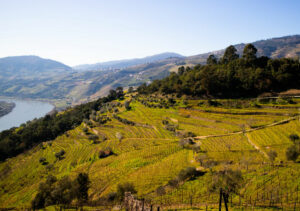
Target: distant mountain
(52,80)
(28,65)
(121,64)
(288,46)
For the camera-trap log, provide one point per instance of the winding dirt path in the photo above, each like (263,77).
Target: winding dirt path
(256,146)
(250,130)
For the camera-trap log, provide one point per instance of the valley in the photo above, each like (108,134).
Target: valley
(149,105)
(225,129)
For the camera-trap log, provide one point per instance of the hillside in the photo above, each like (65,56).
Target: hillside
(20,66)
(6,107)
(280,47)
(176,143)
(151,149)
(121,64)
(66,88)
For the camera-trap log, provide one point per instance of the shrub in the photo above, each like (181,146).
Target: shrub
(196,148)
(186,143)
(102,137)
(105,153)
(42,146)
(49,167)
(4,172)
(81,187)
(229,180)
(187,173)
(189,134)
(173,183)
(171,128)
(160,191)
(123,188)
(43,161)
(102,119)
(124,121)
(213,103)
(210,163)
(93,138)
(112,196)
(130,89)
(85,130)
(292,153)
(294,137)
(281,101)
(59,155)
(127,105)
(272,155)
(165,122)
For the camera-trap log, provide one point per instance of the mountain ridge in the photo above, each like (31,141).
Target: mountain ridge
(273,47)
(74,87)
(28,64)
(124,63)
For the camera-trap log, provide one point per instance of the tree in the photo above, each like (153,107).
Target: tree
(112,94)
(123,188)
(292,153)
(181,70)
(59,155)
(120,92)
(160,191)
(229,180)
(211,60)
(81,187)
(249,52)
(94,138)
(272,155)
(230,54)
(130,89)
(127,105)
(43,161)
(38,202)
(187,173)
(62,191)
(294,137)
(105,152)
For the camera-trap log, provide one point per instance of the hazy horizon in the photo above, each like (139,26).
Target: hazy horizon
(85,32)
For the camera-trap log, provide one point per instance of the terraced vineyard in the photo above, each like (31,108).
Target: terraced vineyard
(147,151)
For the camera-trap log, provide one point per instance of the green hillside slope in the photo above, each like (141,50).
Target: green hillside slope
(149,151)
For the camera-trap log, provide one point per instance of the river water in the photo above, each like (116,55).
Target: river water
(24,111)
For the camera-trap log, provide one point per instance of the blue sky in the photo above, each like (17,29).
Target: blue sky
(88,31)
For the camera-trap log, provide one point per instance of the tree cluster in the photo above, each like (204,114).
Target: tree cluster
(124,121)
(188,173)
(230,76)
(293,152)
(61,192)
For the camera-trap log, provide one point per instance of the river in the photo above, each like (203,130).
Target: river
(24,111)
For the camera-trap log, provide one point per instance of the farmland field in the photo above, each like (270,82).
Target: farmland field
(147,153)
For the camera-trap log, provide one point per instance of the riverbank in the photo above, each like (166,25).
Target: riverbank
(6,107)
(24,110)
